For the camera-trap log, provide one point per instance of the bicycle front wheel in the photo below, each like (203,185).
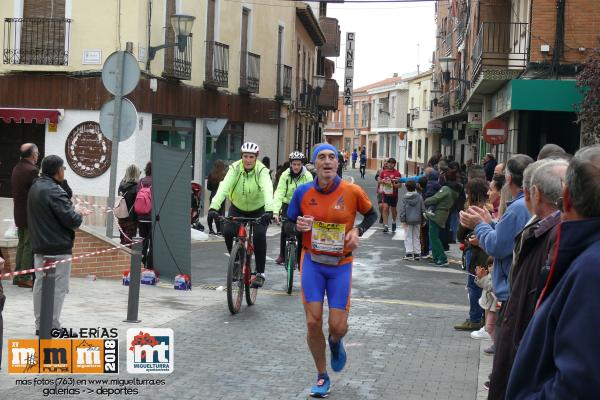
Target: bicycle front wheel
(290,264)
(235,279)
(250,291)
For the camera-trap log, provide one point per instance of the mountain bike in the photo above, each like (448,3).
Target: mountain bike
(241,266)
(291,259)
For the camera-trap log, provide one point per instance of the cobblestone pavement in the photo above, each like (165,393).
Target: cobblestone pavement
(400,345)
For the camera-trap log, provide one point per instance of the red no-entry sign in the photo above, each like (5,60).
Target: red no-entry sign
(495,131)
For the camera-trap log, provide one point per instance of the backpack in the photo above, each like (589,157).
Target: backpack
(120,209)
(143,201)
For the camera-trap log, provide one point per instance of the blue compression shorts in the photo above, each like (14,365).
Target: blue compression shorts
(320,278)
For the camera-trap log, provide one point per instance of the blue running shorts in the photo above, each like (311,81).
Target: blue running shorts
(317,279)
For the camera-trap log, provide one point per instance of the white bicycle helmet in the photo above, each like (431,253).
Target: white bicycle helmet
(250,147)
(296,155)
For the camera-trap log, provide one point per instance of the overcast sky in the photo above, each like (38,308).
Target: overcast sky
(387,35)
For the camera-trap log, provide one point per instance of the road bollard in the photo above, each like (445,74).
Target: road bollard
(134,281)
(47,311)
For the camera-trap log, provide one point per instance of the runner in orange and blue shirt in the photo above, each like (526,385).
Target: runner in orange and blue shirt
(324,211)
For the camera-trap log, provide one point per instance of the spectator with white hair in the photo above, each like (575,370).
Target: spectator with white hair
(558,354)
(542,184)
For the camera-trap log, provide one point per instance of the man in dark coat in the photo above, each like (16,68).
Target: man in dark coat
(489,164)
(558,354)
(52,223)
(23,175)
(532,247)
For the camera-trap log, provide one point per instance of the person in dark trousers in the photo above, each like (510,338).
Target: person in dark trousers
(145,221)
(363,163)
(52,221)
(214,179)
(128,190)
(558,354)
(341,161)
(354,158)
(23,175)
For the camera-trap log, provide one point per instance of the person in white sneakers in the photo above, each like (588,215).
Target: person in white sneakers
(487,301)
(412,208)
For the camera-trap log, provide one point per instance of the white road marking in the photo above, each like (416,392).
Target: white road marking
(435,269)
(400,234)
(368,233)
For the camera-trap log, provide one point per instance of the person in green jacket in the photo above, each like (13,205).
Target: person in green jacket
(248,186)
(443,200)
(289,180)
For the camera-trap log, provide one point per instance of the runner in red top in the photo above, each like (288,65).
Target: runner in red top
(389,183)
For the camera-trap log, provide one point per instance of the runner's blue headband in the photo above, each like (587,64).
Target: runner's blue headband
(320,148)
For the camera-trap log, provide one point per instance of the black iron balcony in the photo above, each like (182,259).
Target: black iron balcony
(284,82)
(178,64)
(36,41)
(500,45)
(216,65)
(328,99)
(249,72)
(447,44)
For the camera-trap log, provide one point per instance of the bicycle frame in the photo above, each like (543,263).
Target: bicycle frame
(245,237)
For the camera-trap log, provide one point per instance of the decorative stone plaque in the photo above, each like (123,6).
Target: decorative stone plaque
(88,150)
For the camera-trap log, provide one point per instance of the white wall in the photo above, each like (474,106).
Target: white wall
(136,150)
(266,137)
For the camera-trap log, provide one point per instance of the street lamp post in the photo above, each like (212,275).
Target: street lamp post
(447,65)
(182,25)
(319,81)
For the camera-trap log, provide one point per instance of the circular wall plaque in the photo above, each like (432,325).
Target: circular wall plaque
(88,150)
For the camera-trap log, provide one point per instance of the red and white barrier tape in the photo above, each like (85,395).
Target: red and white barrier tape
(52,264)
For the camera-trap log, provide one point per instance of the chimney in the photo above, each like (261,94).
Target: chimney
(395,74)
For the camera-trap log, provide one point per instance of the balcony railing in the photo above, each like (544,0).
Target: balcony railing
(447,42)
(217,65)
(500,45)
(36,41)
(444,103)
(334,125)
(284,82)
(178,64)
(383,119)
(249,72)
(328,99)
(460,30)
(459,97)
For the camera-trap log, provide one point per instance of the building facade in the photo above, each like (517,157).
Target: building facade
(512,62)
(422,143)
(233,79)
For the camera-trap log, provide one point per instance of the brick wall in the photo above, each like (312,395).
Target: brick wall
(582,18)
(106,265)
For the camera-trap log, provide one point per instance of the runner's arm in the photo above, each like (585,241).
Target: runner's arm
(368,220)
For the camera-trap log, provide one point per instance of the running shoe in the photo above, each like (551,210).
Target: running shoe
(321,389)
(394,227)
(338,355)
(386,229)
(257,281)
(279,260)
(408,257)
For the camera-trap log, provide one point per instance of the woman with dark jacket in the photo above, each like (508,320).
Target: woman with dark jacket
(145,221)
(214,179)
(128,190)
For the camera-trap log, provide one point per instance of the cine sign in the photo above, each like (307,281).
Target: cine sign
(349,72)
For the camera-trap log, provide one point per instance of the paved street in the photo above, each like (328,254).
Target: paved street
(401,344)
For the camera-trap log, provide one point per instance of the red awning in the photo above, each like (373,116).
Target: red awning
(29,115)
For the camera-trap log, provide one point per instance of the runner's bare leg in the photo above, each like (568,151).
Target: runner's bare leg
(315,337)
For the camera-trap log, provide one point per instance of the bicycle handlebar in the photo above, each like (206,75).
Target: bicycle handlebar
(242,219)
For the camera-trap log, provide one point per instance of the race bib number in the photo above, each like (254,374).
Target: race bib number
(328,237)
(388,188)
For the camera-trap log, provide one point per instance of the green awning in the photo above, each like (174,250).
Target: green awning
(544,95)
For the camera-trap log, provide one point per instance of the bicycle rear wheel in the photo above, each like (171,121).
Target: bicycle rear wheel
(290,264)
(235,279)
(250,291)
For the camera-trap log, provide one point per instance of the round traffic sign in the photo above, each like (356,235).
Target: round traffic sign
(120,79)
(128,120)
(495,131)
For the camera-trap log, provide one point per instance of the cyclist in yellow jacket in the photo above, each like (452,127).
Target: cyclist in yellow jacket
(248,186)
(290,179)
